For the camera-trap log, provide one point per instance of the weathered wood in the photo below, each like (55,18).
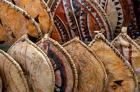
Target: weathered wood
(12,75)
(35,64)
(120,73)
(64,67)
(15,22)
(91,73)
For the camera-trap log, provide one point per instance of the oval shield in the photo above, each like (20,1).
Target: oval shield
(64,67)
(120,73)
(91,73)
(78,18)
(39,12)
(35,64)
(15,22)
(130,50)
(13,78)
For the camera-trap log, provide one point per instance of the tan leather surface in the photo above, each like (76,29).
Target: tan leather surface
(12,75)
(15,23)
(120,76)
(91,73)
(38,10)
(60,59)
(131,54)
(35,64)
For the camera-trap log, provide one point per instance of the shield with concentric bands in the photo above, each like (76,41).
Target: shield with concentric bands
(91,73)
(64,67)
(14,22)
(120,73)
(78,18)
(12,76)
(35,64)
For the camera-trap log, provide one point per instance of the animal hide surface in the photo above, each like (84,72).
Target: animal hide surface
(14,22)
(119,72)
(12,76)
(63,65)
(38,10)
(130,50)
(35,64)
(91,73)
(78,18)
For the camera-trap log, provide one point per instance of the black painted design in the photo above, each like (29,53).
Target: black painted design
(74,27)
(61,28)
(58,66)
(37,18)
(84,27)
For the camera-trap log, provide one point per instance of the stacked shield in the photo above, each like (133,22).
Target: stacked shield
(68,46)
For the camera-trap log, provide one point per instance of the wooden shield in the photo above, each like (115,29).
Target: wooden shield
(64,67)
(78,18)
(14,22)
(119,12)
(36,65)
(38,10)
(13,79)
(130,50)
(120,74)
(91,73)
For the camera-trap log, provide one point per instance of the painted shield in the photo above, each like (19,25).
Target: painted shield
(120,74)
(91,73)
(78,18)
(120,13)
(35,64)
(38,10)
(14,22)
(130,50)
(12,75)
(64,67)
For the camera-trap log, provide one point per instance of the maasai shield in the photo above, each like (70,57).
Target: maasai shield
(130,50)
(120,74)
(119,12)
(78,18)
(35,64)
(15,22)
(38,10)
(13,79)
(64,67)
(91,73)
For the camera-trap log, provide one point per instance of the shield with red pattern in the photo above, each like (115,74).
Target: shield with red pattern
(63,65)
(78,18)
